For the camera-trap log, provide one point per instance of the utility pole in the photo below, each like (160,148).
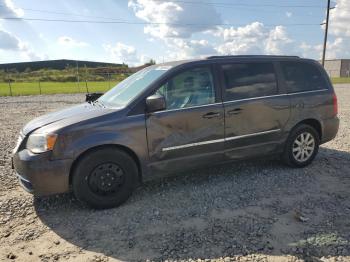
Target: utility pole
(326,33)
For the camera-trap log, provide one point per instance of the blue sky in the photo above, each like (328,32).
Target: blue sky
(169,30)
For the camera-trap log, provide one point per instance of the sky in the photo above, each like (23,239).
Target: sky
(135,31)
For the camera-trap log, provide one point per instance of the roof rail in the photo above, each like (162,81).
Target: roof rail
(250,56)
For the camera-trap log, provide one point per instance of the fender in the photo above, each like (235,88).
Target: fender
(129,132)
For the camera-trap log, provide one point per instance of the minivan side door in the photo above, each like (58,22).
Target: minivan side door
(190,131)
(256,109)
(308,89)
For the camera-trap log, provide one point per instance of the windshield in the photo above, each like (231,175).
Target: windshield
(128,89)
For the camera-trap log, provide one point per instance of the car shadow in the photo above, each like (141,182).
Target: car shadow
(255,207)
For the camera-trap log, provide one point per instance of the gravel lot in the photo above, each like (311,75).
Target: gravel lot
(256,210)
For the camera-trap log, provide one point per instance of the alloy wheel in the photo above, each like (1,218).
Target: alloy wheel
(303,147)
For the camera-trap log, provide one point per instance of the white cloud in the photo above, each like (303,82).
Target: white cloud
(339,35)
(178,22)
(171,14)
(29,54)
(278,41)
(253,38)
(340,19)
(8,9)
(70,42)
(185,49)
(338,48)
(122,53)
(10,42)
(339,31)
(307,50)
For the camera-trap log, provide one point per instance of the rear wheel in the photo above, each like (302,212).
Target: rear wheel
(105,178)
(301,146)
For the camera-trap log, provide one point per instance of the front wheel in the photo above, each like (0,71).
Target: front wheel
(104,178)
(301,146)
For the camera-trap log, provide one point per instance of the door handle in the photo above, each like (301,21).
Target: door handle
(235,111)
(211,115)
(299,105)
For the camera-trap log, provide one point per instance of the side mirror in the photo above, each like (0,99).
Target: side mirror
(91,97)
(155,103)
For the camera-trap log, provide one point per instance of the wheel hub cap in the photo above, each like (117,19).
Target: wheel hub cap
(303,147)
(106,178)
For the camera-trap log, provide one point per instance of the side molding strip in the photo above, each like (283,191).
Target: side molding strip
(219,140)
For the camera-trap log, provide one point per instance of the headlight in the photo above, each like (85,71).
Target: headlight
(39,143)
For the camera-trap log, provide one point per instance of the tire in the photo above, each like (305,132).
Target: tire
(105,178)
(291,155)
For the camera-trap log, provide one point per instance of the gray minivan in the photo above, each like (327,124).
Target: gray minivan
(179,115)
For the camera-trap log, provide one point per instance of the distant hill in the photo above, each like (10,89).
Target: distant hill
(55,64)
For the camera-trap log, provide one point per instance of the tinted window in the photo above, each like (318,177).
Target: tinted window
(191,88)
(247,80)
(302,77)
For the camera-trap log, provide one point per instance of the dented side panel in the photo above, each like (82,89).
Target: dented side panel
(183,138)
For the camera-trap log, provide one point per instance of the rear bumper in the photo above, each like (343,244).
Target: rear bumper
(39,175)
(330,129)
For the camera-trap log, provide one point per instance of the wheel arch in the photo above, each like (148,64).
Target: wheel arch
(115,146)
(316,124)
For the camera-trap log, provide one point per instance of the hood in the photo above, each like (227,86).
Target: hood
(78,113)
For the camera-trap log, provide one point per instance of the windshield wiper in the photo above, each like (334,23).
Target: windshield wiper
(98,103)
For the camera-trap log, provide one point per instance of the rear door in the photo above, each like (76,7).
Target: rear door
(256,109)
(308,89)
(190,131)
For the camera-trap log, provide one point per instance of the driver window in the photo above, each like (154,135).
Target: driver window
(191,88)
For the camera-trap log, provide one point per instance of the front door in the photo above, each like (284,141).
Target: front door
(256,111)
(190,131)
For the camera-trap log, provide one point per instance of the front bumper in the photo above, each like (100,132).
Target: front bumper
(40,175)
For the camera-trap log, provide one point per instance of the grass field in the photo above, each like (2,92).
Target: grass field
(341,80)
(33,88)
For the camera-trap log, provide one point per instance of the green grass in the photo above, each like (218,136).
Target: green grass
(341,80)
(32,88)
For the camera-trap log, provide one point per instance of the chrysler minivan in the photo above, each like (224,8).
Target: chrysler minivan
(175,116)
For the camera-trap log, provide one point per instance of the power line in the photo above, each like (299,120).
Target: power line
(141,23)
(63,13)
(240,4)
(243,8)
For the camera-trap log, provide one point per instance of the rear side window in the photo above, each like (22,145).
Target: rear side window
(248,80)
(302,77)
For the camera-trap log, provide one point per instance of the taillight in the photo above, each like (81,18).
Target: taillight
(335,104)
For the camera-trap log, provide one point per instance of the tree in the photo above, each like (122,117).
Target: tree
(151,62)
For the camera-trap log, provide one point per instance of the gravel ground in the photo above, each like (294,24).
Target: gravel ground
(248,211)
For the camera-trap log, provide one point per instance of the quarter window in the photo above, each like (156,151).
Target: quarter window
(248,80)
(301,77)
(194,87)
